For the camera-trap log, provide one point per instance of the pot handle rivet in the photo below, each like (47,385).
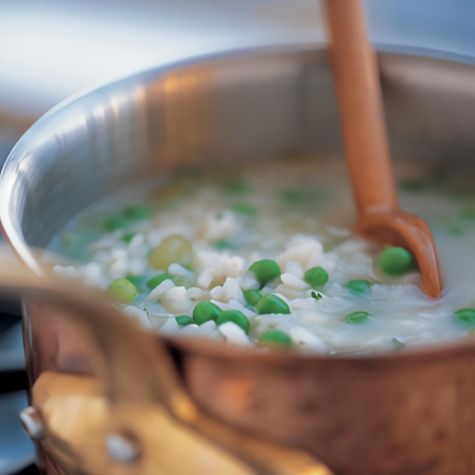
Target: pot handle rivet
(123,448)
(32,422)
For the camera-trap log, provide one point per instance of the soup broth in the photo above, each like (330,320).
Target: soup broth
(264,256)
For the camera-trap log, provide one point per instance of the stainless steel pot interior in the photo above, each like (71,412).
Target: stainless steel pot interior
(245,105)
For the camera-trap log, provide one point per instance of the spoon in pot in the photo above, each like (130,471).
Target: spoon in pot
(366,143)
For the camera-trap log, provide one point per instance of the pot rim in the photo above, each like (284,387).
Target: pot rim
(288,357)
(209,348)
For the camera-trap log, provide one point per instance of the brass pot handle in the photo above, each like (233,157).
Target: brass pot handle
(132,383)
(126,375)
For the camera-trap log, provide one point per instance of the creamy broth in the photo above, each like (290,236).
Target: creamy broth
(186,247)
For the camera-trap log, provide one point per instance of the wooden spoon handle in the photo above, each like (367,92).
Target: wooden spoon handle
(361,108)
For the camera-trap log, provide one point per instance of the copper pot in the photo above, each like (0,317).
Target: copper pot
(406,413)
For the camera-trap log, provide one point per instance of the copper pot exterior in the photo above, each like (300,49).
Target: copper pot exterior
(402,414)
(412,415)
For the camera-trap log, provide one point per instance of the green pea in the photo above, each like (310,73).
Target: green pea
(356,318)
(184,320)
(275,338)
(396,261)
(137,212)
(465,316)
(172,249)
(272,304)
(316,276)
(205,311)
(245,208)
(137,280)
(358,286)
(252,296)
(122,290)
(157,280)
(236,317)
(265,270)
(113,223)
(128,236)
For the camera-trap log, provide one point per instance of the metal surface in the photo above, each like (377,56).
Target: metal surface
(412,412)
(84,149)
(134,417)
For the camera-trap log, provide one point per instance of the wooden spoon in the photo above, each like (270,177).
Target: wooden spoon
(366,143)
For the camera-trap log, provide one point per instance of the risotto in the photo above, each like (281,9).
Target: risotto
(264,256)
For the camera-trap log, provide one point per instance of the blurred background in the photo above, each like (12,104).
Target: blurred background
(50,49)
